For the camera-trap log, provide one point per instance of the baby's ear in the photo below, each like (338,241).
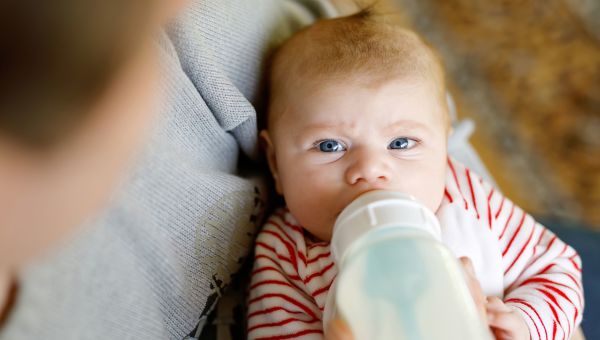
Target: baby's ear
(267,145)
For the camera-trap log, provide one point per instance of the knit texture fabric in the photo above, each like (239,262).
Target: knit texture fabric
(155,263)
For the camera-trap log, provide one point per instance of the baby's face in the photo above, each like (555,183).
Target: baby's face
(333,143)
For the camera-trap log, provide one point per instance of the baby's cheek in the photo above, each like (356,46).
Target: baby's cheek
(312,193)
(428,190)
(312,216)
(433,182)
(435,194)
(315,210)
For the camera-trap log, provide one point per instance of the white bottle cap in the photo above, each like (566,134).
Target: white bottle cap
(380,209)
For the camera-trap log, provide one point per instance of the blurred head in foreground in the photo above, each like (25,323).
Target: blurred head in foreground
(77,88)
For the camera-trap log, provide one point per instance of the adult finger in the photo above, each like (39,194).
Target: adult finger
(474,286)
(338,330)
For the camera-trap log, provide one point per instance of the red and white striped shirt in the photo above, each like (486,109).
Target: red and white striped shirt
(515,258)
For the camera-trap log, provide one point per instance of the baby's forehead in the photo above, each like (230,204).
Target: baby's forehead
(323,104)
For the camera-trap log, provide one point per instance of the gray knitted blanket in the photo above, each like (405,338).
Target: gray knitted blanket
(153,265)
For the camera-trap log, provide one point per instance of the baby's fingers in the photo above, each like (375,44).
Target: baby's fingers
(498,314)
(508,326)
(495,304)
(505,322)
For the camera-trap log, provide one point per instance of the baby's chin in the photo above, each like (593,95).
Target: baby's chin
(319,224)
(312,239)
(320,232)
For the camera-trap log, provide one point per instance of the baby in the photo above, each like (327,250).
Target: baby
(357,104)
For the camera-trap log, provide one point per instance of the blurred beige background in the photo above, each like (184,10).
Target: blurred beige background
(528,74)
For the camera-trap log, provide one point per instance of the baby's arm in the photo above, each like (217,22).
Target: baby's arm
(542,274)
(278,307)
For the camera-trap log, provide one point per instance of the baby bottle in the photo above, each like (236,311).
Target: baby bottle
(396,280)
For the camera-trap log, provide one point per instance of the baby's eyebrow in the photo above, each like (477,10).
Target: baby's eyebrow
(309,130)
(329,124)
(408,125)
(403,125)
(326,126)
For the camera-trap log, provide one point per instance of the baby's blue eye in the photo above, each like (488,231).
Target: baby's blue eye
(402,143)
(330,145)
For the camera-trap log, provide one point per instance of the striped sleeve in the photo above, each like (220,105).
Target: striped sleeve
(542,274)
(279,305)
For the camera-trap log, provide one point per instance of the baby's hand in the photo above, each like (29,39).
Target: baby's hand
(505,323)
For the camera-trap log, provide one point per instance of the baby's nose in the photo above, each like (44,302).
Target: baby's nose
(368,167)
